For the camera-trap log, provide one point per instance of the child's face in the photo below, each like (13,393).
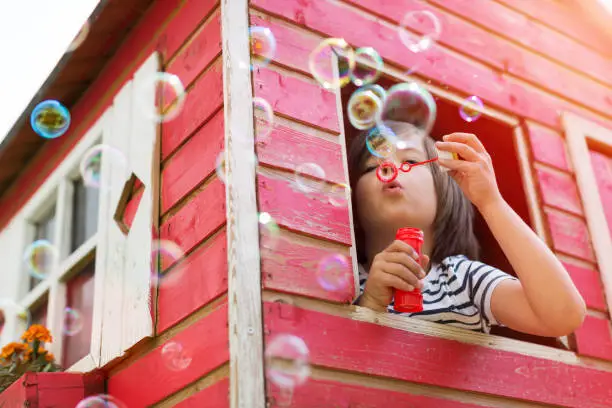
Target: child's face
(409,201)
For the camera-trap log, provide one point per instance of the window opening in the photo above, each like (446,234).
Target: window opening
(84,213)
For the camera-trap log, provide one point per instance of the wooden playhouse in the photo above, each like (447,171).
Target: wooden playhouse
(542,69)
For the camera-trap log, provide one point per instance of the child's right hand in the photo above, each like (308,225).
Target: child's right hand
(399,267)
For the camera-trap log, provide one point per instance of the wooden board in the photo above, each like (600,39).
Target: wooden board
(214,396)
(205,342)
(343,344)
(547,146)
(197,280)
(559,190)
(192,163)
(594,338)
(602,168)
(588,283)
(569,234)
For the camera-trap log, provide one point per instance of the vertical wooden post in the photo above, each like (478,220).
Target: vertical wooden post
(244,286)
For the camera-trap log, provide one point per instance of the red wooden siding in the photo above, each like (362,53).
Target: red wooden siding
(149,380)
(344,344)
(589,284)
(547,146)
(594,338)
(602,166)
(559,190)
(214,396)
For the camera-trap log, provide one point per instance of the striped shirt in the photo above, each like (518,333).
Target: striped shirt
(456,292)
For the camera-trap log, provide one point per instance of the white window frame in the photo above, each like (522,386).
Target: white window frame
(578,133)
(122,292)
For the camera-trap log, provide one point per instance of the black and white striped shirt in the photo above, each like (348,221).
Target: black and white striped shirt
(456,292)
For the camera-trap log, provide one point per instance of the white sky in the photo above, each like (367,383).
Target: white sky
(34,34)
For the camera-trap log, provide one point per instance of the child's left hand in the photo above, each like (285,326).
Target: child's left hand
(473,171)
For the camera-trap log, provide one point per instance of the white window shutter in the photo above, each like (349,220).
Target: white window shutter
(123,262)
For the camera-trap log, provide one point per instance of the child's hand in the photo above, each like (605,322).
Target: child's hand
(474,171)
(399,267)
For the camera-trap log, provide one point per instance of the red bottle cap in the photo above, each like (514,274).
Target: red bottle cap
(409,302)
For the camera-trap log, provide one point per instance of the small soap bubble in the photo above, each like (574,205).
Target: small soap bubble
(100,401)
(334,272)
(263,46)
(368,66)
(10,307)
(380,141)
(305,183)
(269,229)
(377,89)
(421,21)
(321,63)
(287,361)
(471,109)
(168,93)
(221,168)
(166,254)
(91,167)
(339,194)
(264,118)
(73,322)
(175,356)
(411,103)
(40,258)
(80,37)
(50,119)
(364,107)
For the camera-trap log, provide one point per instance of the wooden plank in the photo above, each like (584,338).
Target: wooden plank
(602,168)
(202,101)
(289,265)
(559,190)
(344,344)
(325,393)
(594,338)
(198,53)
(215,396)
(201,216)
(192,163)
(186,20)
(131,208)
(441,65)
(278,149)
(193,283)
(204,342)
(547,146)
(517,27)
(588,283)
(561,16)
(244,286)
(479,44)
(287,94)
(569,234)
(311,213)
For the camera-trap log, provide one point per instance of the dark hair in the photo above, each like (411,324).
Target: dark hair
(453,224)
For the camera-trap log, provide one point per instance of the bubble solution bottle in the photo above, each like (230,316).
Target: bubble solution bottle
(410,302)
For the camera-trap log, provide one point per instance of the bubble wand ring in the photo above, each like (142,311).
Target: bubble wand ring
(387,166)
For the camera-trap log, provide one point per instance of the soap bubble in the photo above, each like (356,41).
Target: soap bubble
(264,117)
(422,21)
(364,107)
(321,63)
(287,361)
(165,254)
(410,102)
(10,307)
(306,184)
(380,141)
(80,37)
(73,322)
(100,401)
(263,46)
(91,167)
(169,94)
(377,89)
(369,72)
(334,272)
(270,229)
(339,194)
(40,258)
(50,119)
(175,357)
(471,109)
(221,168)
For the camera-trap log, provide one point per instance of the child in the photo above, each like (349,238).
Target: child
(457,289)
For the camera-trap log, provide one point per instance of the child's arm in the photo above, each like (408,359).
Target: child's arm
(545,301)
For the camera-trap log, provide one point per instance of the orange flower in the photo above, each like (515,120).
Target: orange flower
(13,348)
(28,353)
(37,332)
(49,357)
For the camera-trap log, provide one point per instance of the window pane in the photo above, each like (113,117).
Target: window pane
(39,314)
(78,315)
(84,215)
(44,229)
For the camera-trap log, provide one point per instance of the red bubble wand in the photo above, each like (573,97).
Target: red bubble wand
(388,171)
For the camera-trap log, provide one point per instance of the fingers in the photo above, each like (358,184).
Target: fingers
(397,283)
(407,261)
(467,138)
(401,246)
